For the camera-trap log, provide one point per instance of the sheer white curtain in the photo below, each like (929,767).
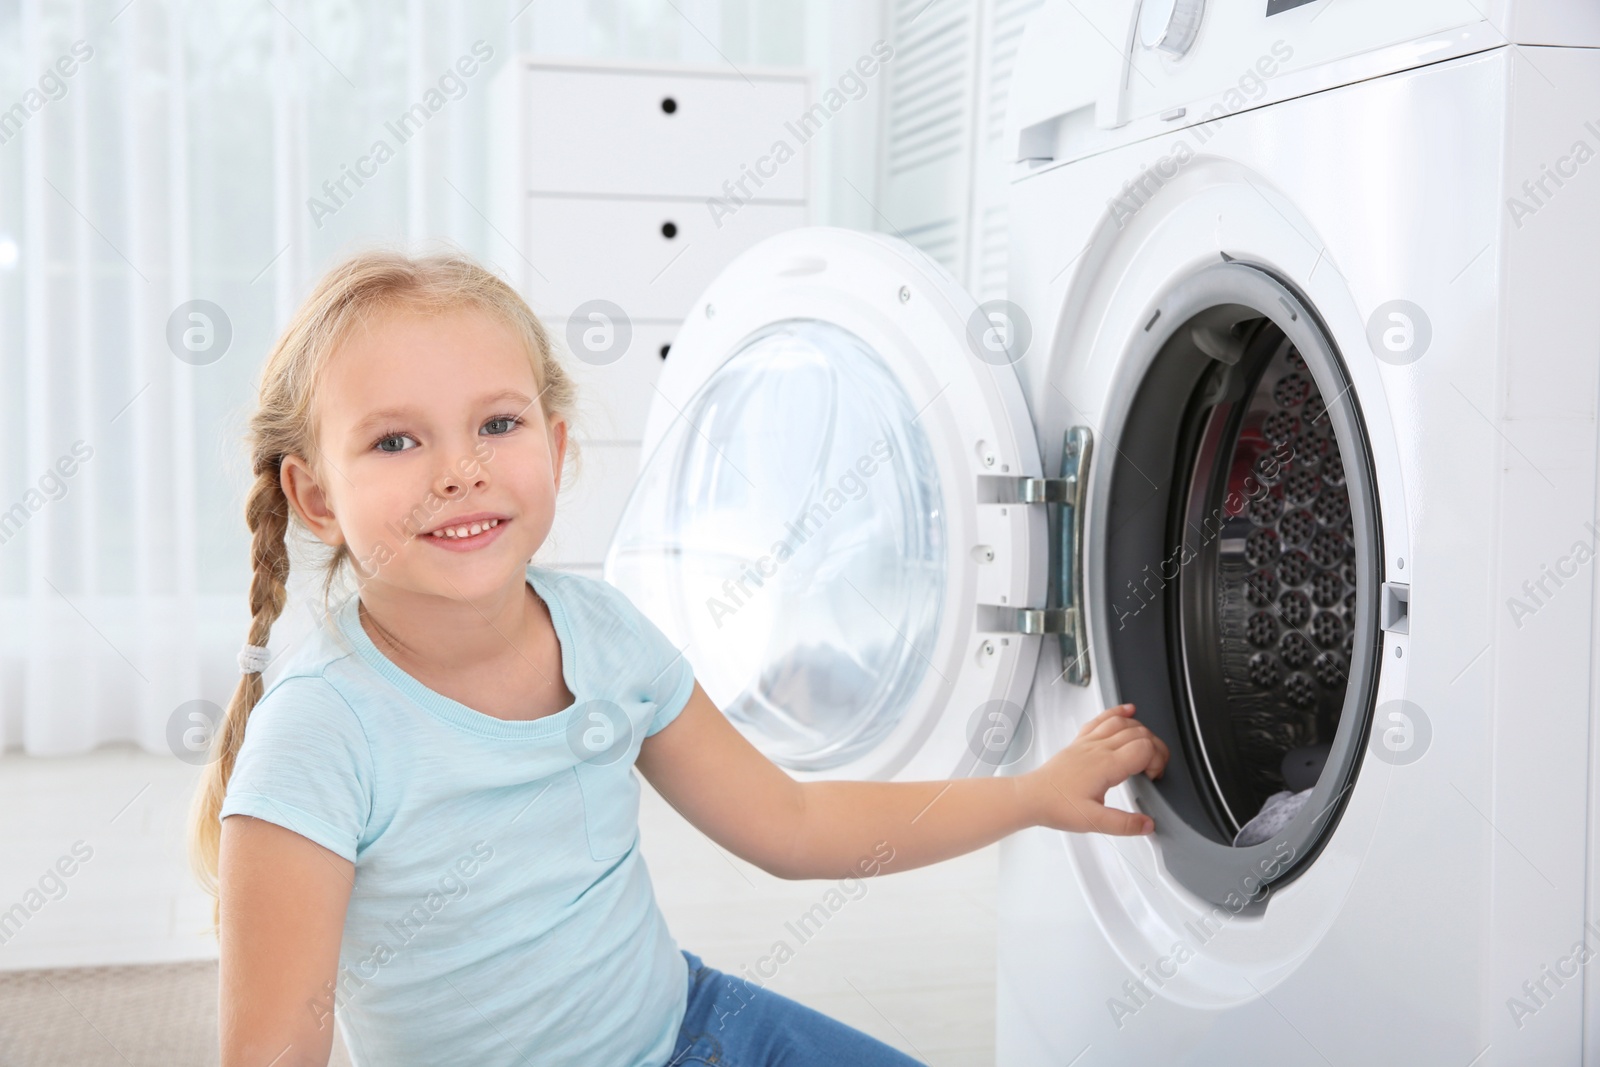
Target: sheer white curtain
(153,154)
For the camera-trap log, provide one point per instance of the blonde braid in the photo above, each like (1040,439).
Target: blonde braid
(267,513)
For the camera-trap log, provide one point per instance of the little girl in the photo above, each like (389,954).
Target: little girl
(426,827)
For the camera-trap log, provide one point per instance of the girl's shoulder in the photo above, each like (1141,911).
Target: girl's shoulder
(308,706)
(618,645)
(313,685)
(588,600)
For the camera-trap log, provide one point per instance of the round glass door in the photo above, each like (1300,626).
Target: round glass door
(789,533)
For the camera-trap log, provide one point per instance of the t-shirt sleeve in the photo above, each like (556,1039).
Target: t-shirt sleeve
(666,670)
(305,765)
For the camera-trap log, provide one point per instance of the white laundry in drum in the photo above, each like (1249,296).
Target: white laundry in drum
(1274,815)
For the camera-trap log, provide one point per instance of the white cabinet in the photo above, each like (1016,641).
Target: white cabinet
(634,185)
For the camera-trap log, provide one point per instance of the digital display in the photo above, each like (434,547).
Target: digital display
(1275,7)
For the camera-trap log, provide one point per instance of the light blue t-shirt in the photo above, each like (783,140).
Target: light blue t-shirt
(501,912)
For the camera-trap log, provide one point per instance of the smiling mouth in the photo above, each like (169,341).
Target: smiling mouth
(469,529)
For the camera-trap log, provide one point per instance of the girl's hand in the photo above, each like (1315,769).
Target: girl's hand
(1066,793)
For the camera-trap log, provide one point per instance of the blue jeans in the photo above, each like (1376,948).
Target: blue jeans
(735,1023)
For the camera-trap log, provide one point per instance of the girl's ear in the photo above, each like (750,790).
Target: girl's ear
(558,447)
(310,503)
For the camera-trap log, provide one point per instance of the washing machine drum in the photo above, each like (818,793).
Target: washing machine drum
(1241,570)
(1268,604)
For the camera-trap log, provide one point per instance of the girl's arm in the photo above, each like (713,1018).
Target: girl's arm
(282,906)
(721,783)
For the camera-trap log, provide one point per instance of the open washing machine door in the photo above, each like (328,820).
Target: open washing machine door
(832,514)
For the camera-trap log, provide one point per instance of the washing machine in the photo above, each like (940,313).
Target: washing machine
(1318,279)
(1284,432)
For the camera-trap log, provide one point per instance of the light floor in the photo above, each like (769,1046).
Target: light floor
(908,958)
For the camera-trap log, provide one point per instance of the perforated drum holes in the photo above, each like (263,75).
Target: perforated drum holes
(1269,668)
(1399,332)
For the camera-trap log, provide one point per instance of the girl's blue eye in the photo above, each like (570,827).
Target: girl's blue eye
(507,423)
(384,442)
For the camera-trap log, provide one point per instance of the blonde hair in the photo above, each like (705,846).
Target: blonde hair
(283,424)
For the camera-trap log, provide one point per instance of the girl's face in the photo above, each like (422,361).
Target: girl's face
(431,422)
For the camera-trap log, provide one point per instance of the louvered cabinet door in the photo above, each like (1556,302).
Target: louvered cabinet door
(928,145)
(943,165)
(1003,22)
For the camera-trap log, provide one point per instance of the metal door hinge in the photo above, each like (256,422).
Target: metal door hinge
(1066,493)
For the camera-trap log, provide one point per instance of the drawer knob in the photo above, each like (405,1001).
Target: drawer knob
(668,104)
(669,230)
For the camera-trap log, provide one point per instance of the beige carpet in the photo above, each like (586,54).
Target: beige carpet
(163,1015)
